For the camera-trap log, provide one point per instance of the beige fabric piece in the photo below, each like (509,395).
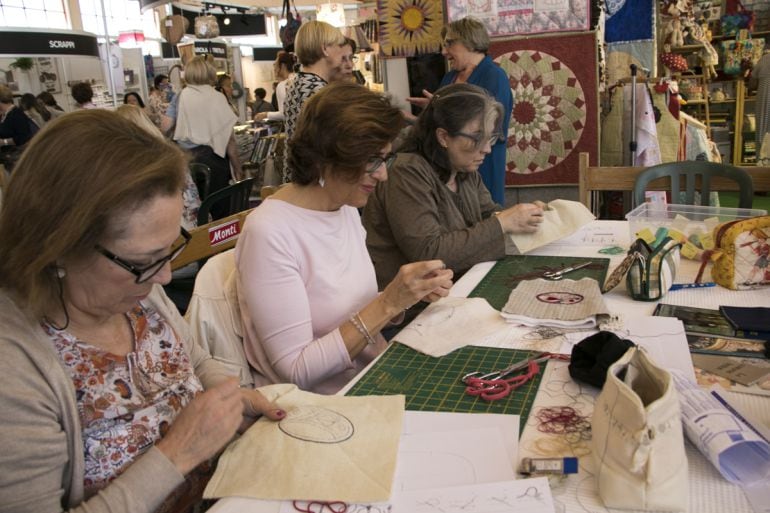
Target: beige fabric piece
(562,218)
(562,303)
(637,438)
(327,448)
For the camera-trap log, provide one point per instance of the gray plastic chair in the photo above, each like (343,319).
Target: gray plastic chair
(694,171)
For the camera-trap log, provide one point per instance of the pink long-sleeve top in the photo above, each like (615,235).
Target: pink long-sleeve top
(301,274)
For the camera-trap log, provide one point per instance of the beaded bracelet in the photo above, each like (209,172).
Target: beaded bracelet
(356,320)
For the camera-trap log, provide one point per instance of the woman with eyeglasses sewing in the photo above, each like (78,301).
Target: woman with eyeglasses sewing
(465,45)
(309,304)
(434,205)
(103,398)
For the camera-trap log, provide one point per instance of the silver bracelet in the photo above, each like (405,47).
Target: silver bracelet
(356,320)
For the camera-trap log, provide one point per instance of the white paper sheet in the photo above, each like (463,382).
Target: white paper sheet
(526,495)
(449,324)
(449,427)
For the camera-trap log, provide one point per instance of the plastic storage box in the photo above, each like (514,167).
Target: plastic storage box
(686,223)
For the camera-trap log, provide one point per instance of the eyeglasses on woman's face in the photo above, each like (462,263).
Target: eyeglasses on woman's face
(376,161)
(144,273)
(478,139)
(446,43)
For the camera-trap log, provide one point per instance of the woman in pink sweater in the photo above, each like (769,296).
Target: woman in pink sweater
(307,288)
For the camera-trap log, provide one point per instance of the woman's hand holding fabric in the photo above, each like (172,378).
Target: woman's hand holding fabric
(521,218)
(204,426)
(416,281)
(256,404)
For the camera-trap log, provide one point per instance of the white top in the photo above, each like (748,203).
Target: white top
(302,273)
(280,96)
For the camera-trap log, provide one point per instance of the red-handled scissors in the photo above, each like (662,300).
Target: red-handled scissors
(495,385)
(320,506)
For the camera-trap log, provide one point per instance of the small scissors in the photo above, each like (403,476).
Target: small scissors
(558,275)
(320,506)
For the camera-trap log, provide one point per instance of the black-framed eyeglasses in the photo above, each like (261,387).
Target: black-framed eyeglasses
(375,161)
(478,139)
(146,272)
(446,43)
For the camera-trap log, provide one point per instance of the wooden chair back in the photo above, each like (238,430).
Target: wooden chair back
(212,238)
(594,179)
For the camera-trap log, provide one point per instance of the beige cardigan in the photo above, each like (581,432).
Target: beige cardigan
(41,448)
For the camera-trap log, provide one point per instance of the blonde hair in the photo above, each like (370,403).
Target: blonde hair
(60,203)
(312,37)
(137,116)
(199,71)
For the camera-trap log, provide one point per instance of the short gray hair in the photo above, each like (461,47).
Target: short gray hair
(468,31)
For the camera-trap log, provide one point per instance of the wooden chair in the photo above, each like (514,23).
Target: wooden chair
(210,239)
(594,179)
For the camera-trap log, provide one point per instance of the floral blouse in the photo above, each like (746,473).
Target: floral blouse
(126,403)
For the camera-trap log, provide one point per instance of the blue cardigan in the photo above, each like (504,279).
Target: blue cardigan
(491,77)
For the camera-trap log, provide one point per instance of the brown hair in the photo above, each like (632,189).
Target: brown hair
(470,32)
(340,128)
(60,203)
(451,108)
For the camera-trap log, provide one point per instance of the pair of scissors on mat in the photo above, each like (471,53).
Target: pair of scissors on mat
(496,385)
(559,274)
(320,506)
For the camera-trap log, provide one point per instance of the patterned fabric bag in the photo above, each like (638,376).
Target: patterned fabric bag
(652,271)
(741,53)
(741,254)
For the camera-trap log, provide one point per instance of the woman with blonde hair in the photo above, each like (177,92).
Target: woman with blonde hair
(204,126)
(319,48)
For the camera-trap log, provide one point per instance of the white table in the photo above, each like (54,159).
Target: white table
(578,493)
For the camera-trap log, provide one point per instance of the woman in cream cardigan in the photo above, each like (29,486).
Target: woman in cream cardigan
(103,398)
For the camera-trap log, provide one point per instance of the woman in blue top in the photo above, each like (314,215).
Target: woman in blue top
(465,45)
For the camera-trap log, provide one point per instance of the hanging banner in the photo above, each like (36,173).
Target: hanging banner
(48,43)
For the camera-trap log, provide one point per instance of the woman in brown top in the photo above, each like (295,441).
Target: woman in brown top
(434,204)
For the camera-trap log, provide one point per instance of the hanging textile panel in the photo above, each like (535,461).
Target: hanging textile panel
(629,20)
(517,17)
(620,56)
(555,113)
(410,27)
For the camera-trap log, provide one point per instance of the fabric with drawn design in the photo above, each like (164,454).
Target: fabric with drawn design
(126,403)
(564,303)
(331,448)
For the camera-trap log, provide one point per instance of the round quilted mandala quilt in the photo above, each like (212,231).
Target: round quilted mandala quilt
(549,112)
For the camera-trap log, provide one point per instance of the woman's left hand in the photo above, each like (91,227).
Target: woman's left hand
(256,404)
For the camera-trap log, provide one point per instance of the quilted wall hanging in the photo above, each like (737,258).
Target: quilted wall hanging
(555,113)
(629,30)
(516,17)
(410,27)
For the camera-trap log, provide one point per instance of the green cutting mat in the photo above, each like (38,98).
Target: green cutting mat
(433,384)
(497,285)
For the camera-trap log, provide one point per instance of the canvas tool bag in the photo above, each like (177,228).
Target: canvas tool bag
(741,254)
(637,437)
